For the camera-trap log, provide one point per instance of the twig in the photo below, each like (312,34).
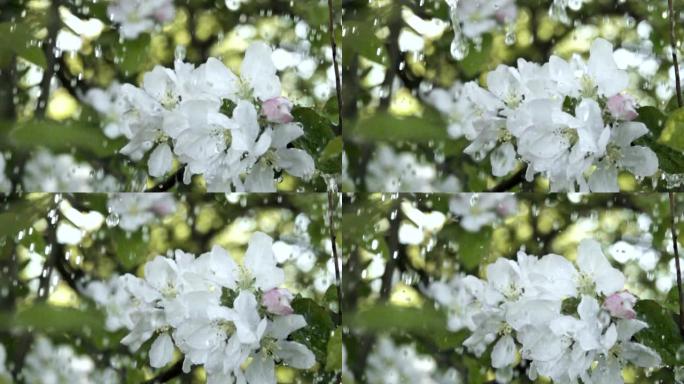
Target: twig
(336,259)
(169,183)
(394,245)
(338,78)
(674,52)
(166,376)
(508,184)
(677,264)
(49,43)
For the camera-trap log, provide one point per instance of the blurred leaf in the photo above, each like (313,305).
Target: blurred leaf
(130,248)
(426,322)
(673,134)
(21,215)
(16,38)
(319,327)
(134,53)
(48,318)
(334,359)
(62,137)
(474,246)
(477,60)
(662,333)
(384,126)
(362,40)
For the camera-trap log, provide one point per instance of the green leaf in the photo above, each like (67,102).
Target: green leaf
(363,41)
(62,137)
(474,247)
(662,333)
(653,118)
(17,38)
(334,359)
(317,130)
(477,60)
(669,160)
(387,127)
(319,327)
(426,322)
(330,160)
(135,54)
(21,215)
(48,318)
(673,134)
(130,248)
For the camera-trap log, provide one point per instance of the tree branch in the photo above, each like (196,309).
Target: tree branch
(169,183)
(338,79)
(336,260)
(508,184)
(53,25)
(677,263)
(674,52)
(163,377)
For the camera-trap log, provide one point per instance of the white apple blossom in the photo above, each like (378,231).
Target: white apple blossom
(111,105)
(570,121)
(138,16)
(50,364)
(476,210)
(135,210)
(392,171)
(216,312)
(521,309)
(390,363)
(235,131)
(46,172)
(473,18)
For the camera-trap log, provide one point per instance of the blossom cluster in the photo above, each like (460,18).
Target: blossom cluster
(570,322)
(138,16)
(392,171)
(130,211)
(235,131)
(570,121)
(47,172)
(50,364)
(217,313)
(473,18)
(476,210)
(390,363)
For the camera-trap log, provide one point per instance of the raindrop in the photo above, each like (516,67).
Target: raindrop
(112,219)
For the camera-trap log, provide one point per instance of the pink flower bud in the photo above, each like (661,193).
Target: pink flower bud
(277,301)
(277,110)
(621,305)
(622,107)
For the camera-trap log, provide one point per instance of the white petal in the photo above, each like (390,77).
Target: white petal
(604,179)
(246,119)
(641,161)
(624,134)
(218,79)
(503,160)
(282,326)
(284,134)
(160,161)
(260,72)
(503,353)
(260,179)
(261,370)
(161,351)
(260,260)
(296,355)
(296,162)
